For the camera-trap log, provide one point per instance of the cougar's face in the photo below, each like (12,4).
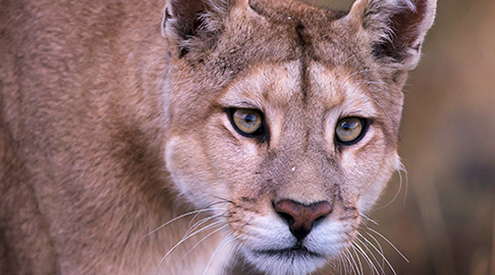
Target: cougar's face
(289,160)
(291,149)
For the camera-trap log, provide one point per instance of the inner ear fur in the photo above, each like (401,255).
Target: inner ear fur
(185,20)
(396,28)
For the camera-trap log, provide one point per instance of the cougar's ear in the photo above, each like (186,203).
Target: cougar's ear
(188,24)
(395,28)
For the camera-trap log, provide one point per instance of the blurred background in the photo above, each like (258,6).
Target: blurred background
(443,221)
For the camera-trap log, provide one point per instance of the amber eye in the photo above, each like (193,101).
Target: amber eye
(350,130)
(247,122)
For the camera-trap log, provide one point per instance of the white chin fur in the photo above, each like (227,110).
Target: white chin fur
(324,242)
(278,264)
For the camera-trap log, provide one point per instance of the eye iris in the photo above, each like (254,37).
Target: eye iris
(247,121)
(349,129)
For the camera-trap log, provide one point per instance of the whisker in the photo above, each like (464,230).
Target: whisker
(206,209)
(396,193)
(223,200)
(374,260)
(185,238)
(402,168)
(197,225)
(344,263)
(390,243)
(361,270)
(173,220)
(330,267)
(384,258)
(338,264)
(368,219)
(352,262)
(374,247)
(225,241)
(206,237)
(234,250)
(347,264)
(201,222)
(365,256)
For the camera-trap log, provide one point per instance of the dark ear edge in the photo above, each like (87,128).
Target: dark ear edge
(186,14)
(396,27)
(184,20)
(404,32)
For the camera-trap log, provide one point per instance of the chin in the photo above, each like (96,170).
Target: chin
(287,261)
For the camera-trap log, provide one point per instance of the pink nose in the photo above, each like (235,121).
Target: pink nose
(300,217)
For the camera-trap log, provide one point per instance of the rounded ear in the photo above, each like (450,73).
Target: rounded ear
(184,20)
(396,27)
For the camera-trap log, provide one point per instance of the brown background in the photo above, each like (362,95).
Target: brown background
(444,220)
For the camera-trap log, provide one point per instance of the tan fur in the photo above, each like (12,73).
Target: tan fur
(112,124)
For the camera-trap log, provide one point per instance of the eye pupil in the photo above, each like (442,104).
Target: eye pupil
(249,118)
(346,126)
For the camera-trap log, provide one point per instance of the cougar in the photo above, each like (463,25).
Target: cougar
(180,137)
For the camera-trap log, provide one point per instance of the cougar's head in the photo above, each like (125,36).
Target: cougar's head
(283,118)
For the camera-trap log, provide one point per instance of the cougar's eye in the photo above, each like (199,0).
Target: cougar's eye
(247,122)
(350,130)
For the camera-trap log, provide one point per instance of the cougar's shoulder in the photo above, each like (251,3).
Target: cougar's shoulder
(81,131)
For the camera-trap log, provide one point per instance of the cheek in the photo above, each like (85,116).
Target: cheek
(361,161)
(368,169)
(191,171)
(212,162)
(237,164)
(234,157)
(389,163)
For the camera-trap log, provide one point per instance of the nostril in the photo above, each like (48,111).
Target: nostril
(301,218)
(287,217)
(289,211)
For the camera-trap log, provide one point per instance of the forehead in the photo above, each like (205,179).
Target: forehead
(277,31)
(282,31)
(310,89)
(300,29)
(303,53)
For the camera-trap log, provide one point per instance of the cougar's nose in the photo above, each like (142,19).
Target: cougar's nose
(300,217)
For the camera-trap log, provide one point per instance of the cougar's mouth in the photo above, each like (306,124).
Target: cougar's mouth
(292,252)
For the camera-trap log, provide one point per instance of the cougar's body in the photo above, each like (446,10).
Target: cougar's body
(117,116)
